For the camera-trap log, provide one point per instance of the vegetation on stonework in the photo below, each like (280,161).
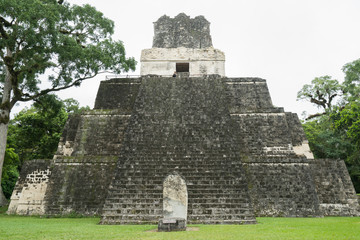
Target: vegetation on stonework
(34,133)
(53,41)
(20,227)
(334,132)
(10,172)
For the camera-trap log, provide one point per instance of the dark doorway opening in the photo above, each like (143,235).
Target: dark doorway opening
(182,67)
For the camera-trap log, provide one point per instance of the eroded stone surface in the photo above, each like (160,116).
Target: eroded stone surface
(182,31)
(28,197)
(175,197)
(304,149)
(172,224)
(223,135)
(162,61)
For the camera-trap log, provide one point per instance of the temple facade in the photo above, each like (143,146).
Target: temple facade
(200,145)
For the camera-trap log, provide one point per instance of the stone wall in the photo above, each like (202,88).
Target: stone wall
(28,197)
(282,188)
(182,40)
(299,141)
(162,61)
(182,31)
(97,132)
(63,186)
(265,133)
(248,95)
(180,125)
(77,179)
(337,196)
(119,94)
(238,155)
(79,185)
(267,129)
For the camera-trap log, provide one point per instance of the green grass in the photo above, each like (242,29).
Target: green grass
(17,227)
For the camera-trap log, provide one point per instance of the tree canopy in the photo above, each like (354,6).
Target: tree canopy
(67,44)
(335,132)
(53,41)
(34,133)
(322,92)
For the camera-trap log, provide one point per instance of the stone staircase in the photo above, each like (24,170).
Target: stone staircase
(215,193)
(201,146)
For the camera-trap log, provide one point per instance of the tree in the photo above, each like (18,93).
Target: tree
(322,92)
(39,38)
(351,83)
(347,122)
(11,171)
(335,132)
(34,133)
(324,141)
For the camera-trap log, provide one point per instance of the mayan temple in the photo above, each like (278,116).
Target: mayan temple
(198,145)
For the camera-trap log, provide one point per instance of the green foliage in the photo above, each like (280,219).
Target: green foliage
(71,43)
(51,39)
(335,133)
(72,106)
(35,132)
(352,80)
(321,92)
(347,120)
(10,172)
(325,142)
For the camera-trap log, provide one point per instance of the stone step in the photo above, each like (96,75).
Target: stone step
(154,201)
(211,206)
(191,176)
(223,219)
(146,171)
(184,170)
(182,162)
(195,214)
(193,186)
(220,211)
(154,221)
(126,211)
(152,159)
(132,181)
(130,217)
(199,193)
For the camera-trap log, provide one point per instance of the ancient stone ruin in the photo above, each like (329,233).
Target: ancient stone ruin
(175,201)
(199,146)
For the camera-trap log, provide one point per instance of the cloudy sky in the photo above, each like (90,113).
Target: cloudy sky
(286,42)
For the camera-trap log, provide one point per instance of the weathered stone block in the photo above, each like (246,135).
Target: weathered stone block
(172,225)
(182,31)
(175,197)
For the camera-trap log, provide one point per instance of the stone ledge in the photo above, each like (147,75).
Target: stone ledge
(172,224)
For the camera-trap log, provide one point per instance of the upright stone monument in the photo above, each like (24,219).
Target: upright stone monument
(175,202)
(236,154)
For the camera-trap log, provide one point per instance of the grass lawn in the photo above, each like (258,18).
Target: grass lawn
(18,227)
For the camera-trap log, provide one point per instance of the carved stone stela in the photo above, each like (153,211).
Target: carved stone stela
(175,204)
(175,197)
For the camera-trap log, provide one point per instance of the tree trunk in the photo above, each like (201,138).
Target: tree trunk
(3,138)
(4,120)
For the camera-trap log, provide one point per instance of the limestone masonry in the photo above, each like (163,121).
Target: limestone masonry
(198,146)
(182,44)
